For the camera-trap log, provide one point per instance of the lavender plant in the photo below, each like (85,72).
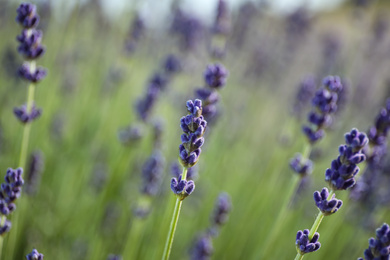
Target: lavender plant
(193,126)
(203,247)
(34,255)
(378,248)
(340,176)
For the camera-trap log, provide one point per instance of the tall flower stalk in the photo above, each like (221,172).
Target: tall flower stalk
(340,176)
(193,126)
(31,49)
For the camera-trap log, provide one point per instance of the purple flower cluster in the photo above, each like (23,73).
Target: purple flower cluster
(325,205)
(203,248)
(306,91)
(144,106)
(136,31)
(379,248)
(30,42)
(34,255)
(25,116)
(215,77)
(182,188)
(305,245)
(193,126)
(325,103)
(10,190)
(343,170)
(172,64)
(301,166)
(152,172)
(222,209)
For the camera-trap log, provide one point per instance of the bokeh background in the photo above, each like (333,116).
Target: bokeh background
(85,203)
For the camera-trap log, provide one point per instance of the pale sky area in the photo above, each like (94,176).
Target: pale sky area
(156,10)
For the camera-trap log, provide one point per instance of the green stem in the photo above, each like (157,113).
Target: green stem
(318,220)
(175,219)
(298,257)
(306,152)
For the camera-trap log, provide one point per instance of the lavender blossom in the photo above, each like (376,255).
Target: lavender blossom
(24,116)
(325,205)
(222,209)
(136,31)
(203,248)
(172,64)
(25,73)
(34,171)
(379,248)
(325,103)
(27,16)
(130,134)
(305,93)
(343,170)
(304,245)
(301,166)
(193,126)
(182,188)
(152,172)
(30,44)
(34,255)
(215,76)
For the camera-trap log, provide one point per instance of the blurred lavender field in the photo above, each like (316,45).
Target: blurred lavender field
(103,152)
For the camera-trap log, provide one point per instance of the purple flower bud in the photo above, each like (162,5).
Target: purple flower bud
(35,76)
(182,188)
(203,248)
(34,255)
(327,207)
(5,227)
(172,64)
(215,76)
(304,245)
(379,248)
(303,167)
(27,117)
(26,15)
(30,44)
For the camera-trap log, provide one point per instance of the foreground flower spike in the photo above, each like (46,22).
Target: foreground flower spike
(193,126)
(343,170)
(305,245)
(325,104)
(325,205)
(34,255)
(379,248)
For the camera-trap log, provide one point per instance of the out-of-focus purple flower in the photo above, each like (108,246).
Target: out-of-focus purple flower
(152,171)
(379,248)
(27,16)
(325,104)
(210,98)
(25,116)
(172,64)
(130,134)
(302,166)
(114,257)
(5,228)
(215,76)
(30,44)
(305,93)
(137,29)
(305,245)
(193,126)
(298,23)
(33,76)
(222,209)
(343,170)
(34,172)
(325,205)
(222,20)
(203,248)
(34,255)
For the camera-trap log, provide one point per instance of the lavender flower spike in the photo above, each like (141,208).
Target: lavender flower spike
(379,248)
(193,126)
(327,207)
(304,245)
(222,208)
(34,255)
(343,170)
(215,76)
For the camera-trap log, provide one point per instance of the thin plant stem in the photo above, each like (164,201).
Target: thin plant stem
(298,257)
(175,219)
(11,239)
(316,225)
